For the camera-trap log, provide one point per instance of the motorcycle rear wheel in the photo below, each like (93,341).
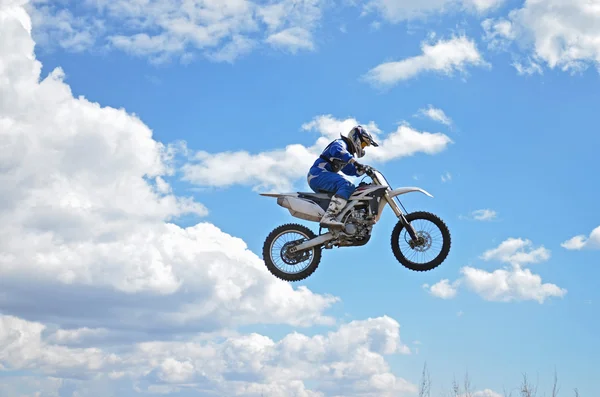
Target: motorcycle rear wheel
(313,254)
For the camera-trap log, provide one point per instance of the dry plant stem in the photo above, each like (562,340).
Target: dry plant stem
(425,386)
(525,389)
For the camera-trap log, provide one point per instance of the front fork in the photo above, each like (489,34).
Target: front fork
(400,215)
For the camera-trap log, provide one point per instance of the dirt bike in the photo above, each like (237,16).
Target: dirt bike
(362,211)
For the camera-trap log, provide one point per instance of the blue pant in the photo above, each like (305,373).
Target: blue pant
(331,182)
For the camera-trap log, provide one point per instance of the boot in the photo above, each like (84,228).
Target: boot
(336,204)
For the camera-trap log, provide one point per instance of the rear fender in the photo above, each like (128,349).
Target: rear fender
(298,207)
(278,194)
(305,208)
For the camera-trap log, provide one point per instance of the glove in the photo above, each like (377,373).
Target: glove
(362,169)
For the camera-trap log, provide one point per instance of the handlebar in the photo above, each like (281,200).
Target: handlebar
(370,172)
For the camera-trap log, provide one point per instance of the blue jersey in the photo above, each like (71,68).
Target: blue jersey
(337,154)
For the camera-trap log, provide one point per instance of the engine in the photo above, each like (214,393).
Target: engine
(357,229)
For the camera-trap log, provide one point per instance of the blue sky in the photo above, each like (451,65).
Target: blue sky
(516,83)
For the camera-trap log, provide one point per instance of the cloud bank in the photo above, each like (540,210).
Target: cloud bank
(510,284)
(101,291)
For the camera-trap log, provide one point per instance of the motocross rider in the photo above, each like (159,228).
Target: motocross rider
(338,156)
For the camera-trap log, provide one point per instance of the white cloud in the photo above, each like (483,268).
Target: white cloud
(59,27)
(274,169)
(238,46)
(442,57)
(514,283)
(483,6)
(584,242)
(31,386)
(86,210)
(396,11)
(278,169)
(507,285)
(348,360)
(446,177)
(517,250)
(486,393)
(498,33)
(484,214)
(436,114)
(500,285)
(406,141)
(22,348)
(331,128)
(560,34)
(443,289)
(221,30)
(79,335)
(527,67)
(292,39)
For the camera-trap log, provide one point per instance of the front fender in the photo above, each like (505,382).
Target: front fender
(404,190)
(397,192)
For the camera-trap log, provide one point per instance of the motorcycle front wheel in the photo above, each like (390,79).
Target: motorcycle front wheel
(427,239)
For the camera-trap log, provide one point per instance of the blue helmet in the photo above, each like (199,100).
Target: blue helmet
(360,138)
